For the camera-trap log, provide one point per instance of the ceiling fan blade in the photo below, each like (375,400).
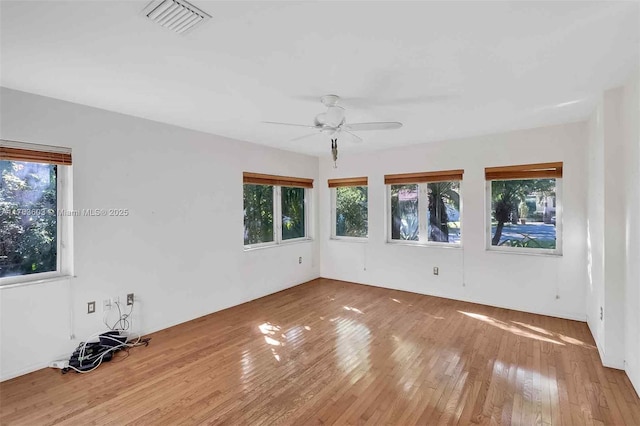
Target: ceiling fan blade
(304,137)
(356,138)
(308,98)
(379,125)
(289,124)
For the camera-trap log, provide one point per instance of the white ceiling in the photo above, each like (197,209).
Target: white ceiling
(463,68)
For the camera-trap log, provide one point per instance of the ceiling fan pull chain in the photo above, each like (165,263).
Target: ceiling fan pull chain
(334,152)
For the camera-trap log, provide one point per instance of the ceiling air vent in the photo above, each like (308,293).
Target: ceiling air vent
(176,15)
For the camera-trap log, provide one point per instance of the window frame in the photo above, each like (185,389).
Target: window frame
(277,219)
(423,210)
(524,250)
(64,223)
(334,224)
(279,238)
(273,225)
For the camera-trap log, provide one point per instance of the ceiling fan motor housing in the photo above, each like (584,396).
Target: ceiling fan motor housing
(334,117)
(330,100)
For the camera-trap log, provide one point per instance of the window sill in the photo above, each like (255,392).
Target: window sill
(358,240)
(524,252)
(283,243)
(427,245)
(24,283)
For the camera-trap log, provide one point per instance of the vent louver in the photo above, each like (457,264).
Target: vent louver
(177,15)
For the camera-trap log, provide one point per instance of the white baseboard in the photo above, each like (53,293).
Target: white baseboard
(29,369)
(564,315)
(616,365)
(634,378)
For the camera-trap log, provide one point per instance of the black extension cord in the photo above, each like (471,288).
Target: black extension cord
(95,353)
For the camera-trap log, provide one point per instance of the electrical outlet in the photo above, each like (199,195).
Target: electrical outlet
(601,313)
(91,307)
(436,271)
(300,260)
(115,300)
(106,304)
(129,299)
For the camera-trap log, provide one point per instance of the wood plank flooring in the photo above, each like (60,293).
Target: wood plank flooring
(329,352)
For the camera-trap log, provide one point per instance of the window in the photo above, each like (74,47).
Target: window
(405,214)
(31,197)
(424,208)
(443,214)
(258,214)
(524,208)
(350,207)
(293,218)
(275,209)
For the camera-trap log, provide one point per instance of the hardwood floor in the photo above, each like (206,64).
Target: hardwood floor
(329,352)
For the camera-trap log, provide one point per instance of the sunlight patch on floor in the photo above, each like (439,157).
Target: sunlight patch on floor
(560,336)
(513,329)
(270,341)
(352,309)
(269,330)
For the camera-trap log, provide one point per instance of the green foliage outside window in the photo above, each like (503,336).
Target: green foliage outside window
(444,211)
(28,218)
(352,211)
(258,214)
(292,213)
(405,224)
(507,196)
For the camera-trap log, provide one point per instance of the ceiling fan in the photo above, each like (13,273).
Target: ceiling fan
(333,123)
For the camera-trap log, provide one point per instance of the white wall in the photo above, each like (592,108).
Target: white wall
(595,228)
(614,238)
(614,232)
(180,250)
(524,282)
(631,134)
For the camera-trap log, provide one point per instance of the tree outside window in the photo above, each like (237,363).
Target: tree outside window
(28,213)
(426,213)
(258,214)
(352,209)
(523,213)
(293,225)
(271,207)
(444,211)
